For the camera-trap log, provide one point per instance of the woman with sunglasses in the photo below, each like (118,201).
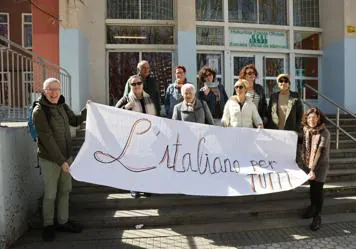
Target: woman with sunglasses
(138,101)
(315,161)
(212,92)
(255,91)
(285,109)
(239,110)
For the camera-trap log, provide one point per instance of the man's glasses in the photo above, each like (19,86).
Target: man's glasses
(136,83)
(283,81)
(53,90)
(239,87)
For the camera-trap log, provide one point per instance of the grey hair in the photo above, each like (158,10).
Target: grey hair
(140,64)
(49,81)
(187,86)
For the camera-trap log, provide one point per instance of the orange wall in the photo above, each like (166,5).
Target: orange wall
(46,30)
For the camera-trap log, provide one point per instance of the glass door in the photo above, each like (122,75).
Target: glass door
(273,65)
(239,60)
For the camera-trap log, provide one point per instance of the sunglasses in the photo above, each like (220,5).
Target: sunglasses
(250,73)
(283,81)
(136,83)
(239,87)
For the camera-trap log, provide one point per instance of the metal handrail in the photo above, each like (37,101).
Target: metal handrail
(31,54)
(338,108)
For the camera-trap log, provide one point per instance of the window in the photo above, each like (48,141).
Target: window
(273,12)
(306,13)
(139,34)
(307,40)
(4,25)
(212,60)
(210,35)
(307,72)
(27,30)
(140,9)
(258,11)
(27,78)
(124,64)
(244,11)
(209,10)
(4,88)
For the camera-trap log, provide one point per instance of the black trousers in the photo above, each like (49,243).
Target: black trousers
(316,196)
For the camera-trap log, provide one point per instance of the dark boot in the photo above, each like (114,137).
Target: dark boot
(69,227)
(48,233)
(316,223)
(309,212)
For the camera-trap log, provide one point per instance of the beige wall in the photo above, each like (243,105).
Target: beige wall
(90,20)
(350,16)
(332,21)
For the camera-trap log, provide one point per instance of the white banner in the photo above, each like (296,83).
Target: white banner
(134,151)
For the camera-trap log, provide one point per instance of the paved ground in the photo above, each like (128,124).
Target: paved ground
(338,231)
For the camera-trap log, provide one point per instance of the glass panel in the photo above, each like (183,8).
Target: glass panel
(3,18)
(306,67)
(3,30)
(309,94)
(28,18)
(272,68)
(209,10)
(306,13)
(210,36)
(27,35)
(239,63)
(161,69)
(244,11)
(157,9)
(121,66)
(4,90)
(306,40)
(139,35)
(123,9)
(210,60)
(273,12)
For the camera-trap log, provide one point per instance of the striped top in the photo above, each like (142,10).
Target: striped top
(254,97)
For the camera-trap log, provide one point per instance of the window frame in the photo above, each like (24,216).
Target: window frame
(23,23)
(305,78)
(8,23)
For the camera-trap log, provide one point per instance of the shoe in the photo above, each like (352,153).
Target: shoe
(316,223)
(309,212)
(147,194)
(135,195)
(48,233)
(70,227)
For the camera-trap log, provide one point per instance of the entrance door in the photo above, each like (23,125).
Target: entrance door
(124,64)
(268,67)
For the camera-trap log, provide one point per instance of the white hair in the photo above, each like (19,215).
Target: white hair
(49,81)
(187,86)
(140,64)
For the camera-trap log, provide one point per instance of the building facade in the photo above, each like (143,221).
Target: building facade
(101,42)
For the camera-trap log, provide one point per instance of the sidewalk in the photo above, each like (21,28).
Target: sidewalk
(338,231)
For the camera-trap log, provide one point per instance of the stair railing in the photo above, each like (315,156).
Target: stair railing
(22,73)
(338,109)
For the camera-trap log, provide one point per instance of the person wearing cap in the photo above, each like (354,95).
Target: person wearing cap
(285,109)
(239,110)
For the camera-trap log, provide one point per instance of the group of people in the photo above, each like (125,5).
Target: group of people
(210,105)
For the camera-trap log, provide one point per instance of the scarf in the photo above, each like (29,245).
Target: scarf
(311,142)
(214,88)
(190,106)
(149,105)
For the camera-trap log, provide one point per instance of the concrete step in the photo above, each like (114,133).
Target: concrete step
(343,121)
(343,163)
(202,214)
(348,127)
(341,175)
(343,144)
(343,153)
(124,201)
